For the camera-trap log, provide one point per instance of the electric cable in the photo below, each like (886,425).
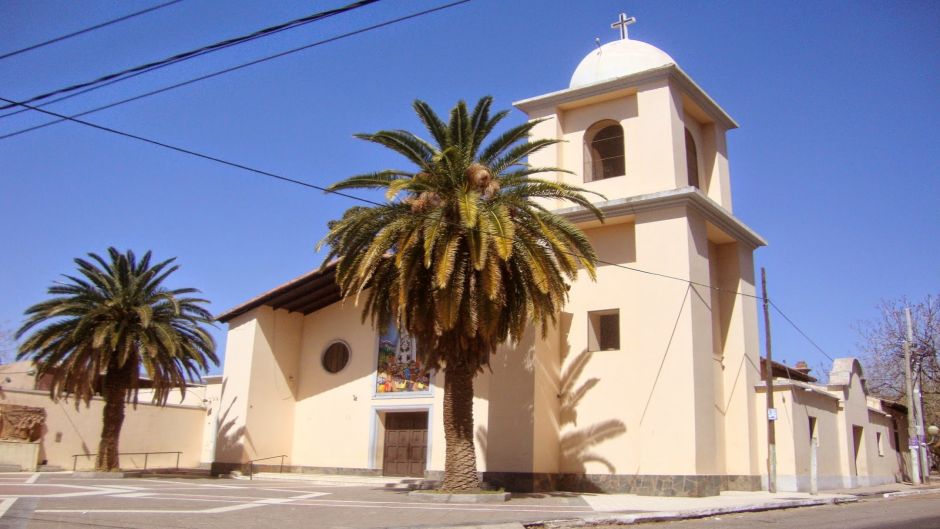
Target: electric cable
(193,153)
(88,29)
(327,190)
(226,70)
(375,203)
(799,330)
(129,73)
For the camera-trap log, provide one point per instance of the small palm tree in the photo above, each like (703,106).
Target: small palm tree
(110,324)
(462,256)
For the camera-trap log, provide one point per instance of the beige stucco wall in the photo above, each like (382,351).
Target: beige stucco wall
(260,378)
(654,115)
(736,354)
(794,407)
(22,454)
(147,428)
(22,375)
(665,336)
(337,418)
(837,409)
(18,375)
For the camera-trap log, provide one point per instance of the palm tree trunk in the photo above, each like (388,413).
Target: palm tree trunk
(114,391)
(460,463)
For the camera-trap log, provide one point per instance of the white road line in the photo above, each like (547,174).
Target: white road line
(231,508)
(5,505)
(135,495)
(314,494)
(33,478)
(89,491)
(200,485)
(310,495)
(214,510)
(261,503)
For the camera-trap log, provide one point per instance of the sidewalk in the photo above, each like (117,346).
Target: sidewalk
(561,510)
(654,509)
(631,509)
(894,489)
(613,508)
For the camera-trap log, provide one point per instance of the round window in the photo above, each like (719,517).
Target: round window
(336,357)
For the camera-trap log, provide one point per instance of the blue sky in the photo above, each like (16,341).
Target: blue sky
(836,162)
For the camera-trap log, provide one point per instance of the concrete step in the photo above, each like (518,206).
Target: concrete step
(193,473)
(342,480)
(4,467)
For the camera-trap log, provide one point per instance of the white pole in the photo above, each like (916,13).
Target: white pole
(813,467)
(919,412)
(911,411)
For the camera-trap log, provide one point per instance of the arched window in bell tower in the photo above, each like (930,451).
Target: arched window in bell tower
(603,151)
(691,159)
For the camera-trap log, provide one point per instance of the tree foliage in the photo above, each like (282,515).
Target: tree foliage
(464,255)
(882,339)
(109,324)
(881,342)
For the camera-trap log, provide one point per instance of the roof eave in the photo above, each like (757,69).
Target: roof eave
(673,72)
(279,290)
(710,210)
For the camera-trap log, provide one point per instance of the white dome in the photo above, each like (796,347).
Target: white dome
(617,59)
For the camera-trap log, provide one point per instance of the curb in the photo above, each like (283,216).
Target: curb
(901,494)
(435,497)
(668,516)
(91,474)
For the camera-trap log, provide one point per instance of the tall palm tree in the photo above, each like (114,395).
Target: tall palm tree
(108,325)
(461,255)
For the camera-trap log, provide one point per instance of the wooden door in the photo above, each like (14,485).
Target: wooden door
(406,444)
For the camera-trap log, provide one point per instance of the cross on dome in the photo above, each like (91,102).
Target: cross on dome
(622,25)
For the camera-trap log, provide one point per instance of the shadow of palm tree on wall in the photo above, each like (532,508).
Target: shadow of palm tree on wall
(229,446)
(576,445)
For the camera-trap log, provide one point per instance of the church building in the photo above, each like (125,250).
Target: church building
(650,383)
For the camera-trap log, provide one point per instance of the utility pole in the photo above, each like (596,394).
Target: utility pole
(769,377)
(912,421)
(921,435)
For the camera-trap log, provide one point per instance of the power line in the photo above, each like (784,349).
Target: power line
(224,71)
(190,152)
(88,29)
(375,203)
(129,73)
(799,330)
(327,190)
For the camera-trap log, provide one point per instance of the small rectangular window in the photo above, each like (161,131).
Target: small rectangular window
(881,448)
(604,330)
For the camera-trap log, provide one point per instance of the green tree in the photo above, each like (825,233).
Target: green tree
(108,325)
(462,255)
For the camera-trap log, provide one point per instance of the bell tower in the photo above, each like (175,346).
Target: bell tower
(670,323)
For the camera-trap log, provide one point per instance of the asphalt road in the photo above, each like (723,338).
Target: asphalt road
(53,502)
(34,501)
(908,512)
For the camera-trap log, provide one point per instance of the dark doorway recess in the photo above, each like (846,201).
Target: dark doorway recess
(406,444)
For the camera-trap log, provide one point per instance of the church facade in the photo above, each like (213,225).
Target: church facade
(650,383)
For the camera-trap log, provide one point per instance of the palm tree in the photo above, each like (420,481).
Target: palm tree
(108,325)
(462,255)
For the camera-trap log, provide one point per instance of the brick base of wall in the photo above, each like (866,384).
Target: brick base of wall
(643,485)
